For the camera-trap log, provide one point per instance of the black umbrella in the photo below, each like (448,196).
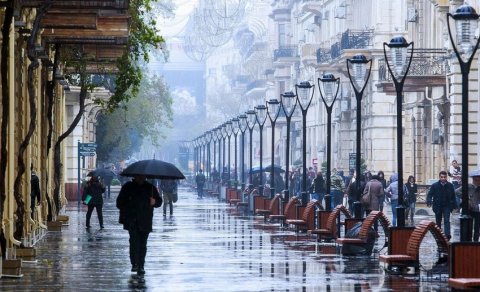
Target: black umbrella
(268,168)
(102,172)
(152,168)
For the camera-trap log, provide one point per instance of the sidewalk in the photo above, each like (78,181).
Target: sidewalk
(205,247)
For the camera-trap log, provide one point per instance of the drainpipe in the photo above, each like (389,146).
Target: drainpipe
(11,135)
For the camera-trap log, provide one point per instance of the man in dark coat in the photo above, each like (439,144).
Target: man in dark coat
(441,197)
(136,201)
(200,181)
(107,177)
(34,192)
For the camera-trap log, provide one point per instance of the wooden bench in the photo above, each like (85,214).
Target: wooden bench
(273,207)
(464,267)
(290,211)
(233,196)
(367,224)
(329,230)
(411,256)
(308,217)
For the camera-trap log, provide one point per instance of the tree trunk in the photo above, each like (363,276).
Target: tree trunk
(20,212)
(7,23)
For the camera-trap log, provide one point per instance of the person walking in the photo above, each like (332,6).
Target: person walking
(318,187)
(337,188)
(200,181)
(169,189)
(411,198)
(95,189)
(34,192)
(107,178)
(441,197)
(473,201)
(456,173)
(374,191)
(136,201)
(381,178)
(354,191)
(392,193)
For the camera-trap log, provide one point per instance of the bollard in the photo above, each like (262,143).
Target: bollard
(286,195)
(357,210)
(272,193)
(304,198)
(466,225)
(328,202)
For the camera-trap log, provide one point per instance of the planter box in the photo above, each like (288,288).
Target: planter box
(26,253)
(11,267)
(54,226)
(63,218)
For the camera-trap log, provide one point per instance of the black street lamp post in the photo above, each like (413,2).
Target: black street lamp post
(273,109)
(401,64)
(261,113)
(228,132)
(224,136)
(328,93)
(465,46)
(235,129)
(218,132)
(305,92)
(214,138)
(289,100)
(208,139)
(251,120)
(242,124)
(359,79)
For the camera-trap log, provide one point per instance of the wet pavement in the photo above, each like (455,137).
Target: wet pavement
(208,246)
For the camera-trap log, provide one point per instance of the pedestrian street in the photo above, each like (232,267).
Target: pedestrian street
(208,246)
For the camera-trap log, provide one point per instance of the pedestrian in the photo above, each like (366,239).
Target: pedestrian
(34,192)
(337,188)
(92,197)
(473,201)
(317,188)
(354,191)
(136,201)
(381,178)
(456,173)
(411,198)
(279,183)
(200,181)
(169,190)
(374,191)
(107,178)
(392,194)
(441,197)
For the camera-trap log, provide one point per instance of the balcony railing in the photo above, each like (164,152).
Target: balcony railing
(352,39)
(425,62)
(285,52)
(323,56)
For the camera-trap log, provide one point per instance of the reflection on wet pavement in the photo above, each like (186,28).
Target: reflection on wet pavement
(206,246)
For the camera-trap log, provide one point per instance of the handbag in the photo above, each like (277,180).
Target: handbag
(174,197)
(87,199)
(366,198)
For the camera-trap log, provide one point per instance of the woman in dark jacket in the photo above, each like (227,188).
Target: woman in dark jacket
(411,197)
(136,201)
(381,178)
(94,189)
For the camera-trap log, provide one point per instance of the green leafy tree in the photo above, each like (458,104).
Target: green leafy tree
(121,132)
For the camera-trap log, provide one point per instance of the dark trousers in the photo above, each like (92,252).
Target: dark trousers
(99,214)
(476,225)
(138,247)
(444,214)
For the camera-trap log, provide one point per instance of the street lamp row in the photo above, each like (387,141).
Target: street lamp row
(359,68)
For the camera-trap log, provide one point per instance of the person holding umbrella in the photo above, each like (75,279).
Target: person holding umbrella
(136,201)
(92,197)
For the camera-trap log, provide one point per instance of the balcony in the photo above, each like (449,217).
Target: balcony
(308,54)
(256,88)
(429,67)
(323,56)
(311,6)
(352,39)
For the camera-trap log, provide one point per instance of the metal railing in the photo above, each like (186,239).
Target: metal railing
(425,62)
(285,52)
